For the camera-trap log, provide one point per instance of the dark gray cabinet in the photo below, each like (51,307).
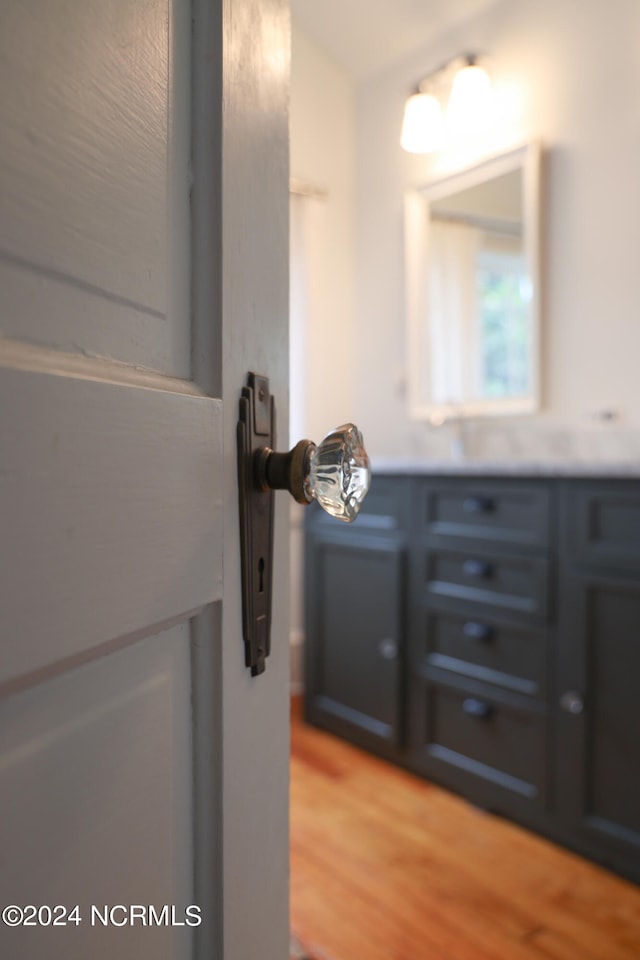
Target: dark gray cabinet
(485,633)
(479,611)
(355,610)
(598,666)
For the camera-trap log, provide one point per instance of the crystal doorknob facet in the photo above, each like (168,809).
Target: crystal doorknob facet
(336,472)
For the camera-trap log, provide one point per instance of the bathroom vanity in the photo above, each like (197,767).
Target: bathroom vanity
(480,625)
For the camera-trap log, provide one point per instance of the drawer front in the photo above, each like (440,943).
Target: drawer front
(483,648)
(516,513)
(602,522)
(479,738)
(385,510)
(507,583)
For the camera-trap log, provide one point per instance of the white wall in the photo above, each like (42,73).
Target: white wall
(322,155)
(568,73)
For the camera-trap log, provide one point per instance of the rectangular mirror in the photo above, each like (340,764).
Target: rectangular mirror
(473,290)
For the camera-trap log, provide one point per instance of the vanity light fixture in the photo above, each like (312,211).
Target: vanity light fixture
(465,87)
(469,100)
(423,124)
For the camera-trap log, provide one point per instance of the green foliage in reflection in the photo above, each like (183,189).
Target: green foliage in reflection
(504,327)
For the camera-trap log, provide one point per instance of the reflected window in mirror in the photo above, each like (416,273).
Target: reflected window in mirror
(473,289)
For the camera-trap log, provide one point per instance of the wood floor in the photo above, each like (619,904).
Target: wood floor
(387,867)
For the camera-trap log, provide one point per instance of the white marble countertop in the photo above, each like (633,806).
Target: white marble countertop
(506,468)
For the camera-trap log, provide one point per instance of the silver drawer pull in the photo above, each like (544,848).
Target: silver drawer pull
(388,649)
(572,702)
(477,568)
(479,709)
(478,505)
(481,632)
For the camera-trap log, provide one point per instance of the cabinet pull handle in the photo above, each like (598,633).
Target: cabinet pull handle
(478,504)
(572,702)
(388,649)
(477,568)
(477,631)
(479,709)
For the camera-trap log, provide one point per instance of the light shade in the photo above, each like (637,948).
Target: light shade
(423,124)
(469,103)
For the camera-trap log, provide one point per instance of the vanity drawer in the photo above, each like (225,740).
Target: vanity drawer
(510,583)
(472,738)
(513,656)
(385,509)
(508,513)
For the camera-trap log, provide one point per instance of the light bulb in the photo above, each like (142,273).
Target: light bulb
(468,107)
(423,124)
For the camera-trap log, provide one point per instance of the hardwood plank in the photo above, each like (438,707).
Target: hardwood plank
(386,866)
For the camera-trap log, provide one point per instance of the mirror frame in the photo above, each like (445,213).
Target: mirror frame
(526,157)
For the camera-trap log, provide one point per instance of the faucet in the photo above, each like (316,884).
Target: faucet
(448,418)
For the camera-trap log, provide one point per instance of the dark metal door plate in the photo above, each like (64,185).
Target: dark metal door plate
(256,429)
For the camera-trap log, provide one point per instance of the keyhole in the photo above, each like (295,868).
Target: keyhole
(261,574)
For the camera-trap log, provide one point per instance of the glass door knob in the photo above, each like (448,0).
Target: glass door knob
(336,472)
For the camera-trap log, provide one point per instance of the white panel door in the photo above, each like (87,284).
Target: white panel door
(143,272)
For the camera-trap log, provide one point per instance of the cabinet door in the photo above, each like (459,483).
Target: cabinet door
(599,715)
(354,638)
